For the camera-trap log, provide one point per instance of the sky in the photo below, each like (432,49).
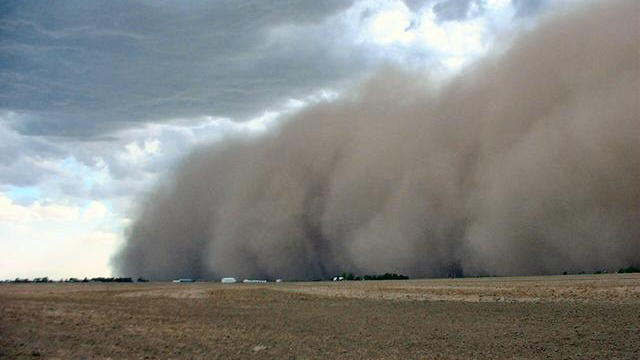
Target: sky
(100,98)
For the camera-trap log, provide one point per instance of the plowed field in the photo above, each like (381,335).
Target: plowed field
(559,317)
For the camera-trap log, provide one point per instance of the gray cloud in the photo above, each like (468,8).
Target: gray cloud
(84,68)
(528,7)
(526,163)
(13,146)
(453,9)
(81,76)
(23,160)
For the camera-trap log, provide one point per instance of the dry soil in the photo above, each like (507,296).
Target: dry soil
(559,317)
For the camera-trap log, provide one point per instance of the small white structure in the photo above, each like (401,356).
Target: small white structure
(229,280)
(183,280)
(278,280)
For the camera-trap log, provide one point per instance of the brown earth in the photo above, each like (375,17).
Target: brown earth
(557,317)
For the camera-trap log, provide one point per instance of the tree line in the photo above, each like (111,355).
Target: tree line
(75,280)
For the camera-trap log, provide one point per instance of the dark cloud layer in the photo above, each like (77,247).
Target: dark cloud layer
(527,163)
(82,68)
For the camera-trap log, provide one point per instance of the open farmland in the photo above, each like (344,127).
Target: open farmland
(558,317)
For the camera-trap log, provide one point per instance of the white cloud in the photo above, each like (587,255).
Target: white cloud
(459,38)
(135,153)
(11,212)
(55,212)
(95,210)
(396,33)
(37,212)
(392,25)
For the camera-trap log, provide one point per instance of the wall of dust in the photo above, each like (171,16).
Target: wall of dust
(528,162)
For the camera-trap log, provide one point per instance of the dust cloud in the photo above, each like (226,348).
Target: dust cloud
(527,162)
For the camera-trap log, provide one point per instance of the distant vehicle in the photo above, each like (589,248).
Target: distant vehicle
(278,280)
(252,281)
(183,280)
(229,280)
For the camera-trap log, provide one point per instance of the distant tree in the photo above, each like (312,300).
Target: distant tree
(628,270)
(385,276)
(349,276)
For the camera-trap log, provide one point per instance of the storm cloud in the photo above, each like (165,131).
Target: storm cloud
(525,163)
(89,69)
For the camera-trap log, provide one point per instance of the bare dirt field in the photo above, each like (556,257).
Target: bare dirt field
(557,317)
